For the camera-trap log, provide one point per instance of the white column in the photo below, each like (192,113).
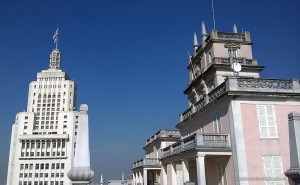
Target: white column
(133,178)
(141,177)
(185,171)
(164,174)
(145,176)
(173,173)
(200,169)
(137,177)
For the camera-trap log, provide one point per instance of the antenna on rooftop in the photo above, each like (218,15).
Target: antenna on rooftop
(213,13)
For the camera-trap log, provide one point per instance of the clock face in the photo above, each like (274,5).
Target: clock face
(236,67)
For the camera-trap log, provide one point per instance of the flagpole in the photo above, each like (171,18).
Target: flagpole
(56,42)
(213,12)
(57,37)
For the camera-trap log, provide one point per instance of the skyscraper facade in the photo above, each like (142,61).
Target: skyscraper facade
(43,138)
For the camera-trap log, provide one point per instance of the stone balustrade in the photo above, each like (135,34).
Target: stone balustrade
(146,162)
(197,141)
(241,60)
(163,133)
(231,36)
(237,85)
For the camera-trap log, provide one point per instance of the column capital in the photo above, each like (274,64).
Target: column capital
(200,155)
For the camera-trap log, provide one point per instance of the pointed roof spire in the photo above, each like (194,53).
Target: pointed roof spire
(203,29)
(195,40)
(101,179)
(234,29)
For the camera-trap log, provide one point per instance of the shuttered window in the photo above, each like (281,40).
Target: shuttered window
(273,170)
(267,121)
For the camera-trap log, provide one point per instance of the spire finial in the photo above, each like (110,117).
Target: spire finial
(101,179)
(234,29)
(195,40)
(203,29)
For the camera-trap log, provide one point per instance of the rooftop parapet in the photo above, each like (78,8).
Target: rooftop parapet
(163,134)
(242,86)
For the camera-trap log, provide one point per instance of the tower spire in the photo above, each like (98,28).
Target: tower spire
(195,40)
(204,34)
(196,45)
(234,28)
(203,29)
(101,179)
(55,54)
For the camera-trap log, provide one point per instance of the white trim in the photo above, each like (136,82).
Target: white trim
(267,102)
(214,153)
(237,142)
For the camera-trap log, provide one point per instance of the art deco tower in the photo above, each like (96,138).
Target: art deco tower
(43,138)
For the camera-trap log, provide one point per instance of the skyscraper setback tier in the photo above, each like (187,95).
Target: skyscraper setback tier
(43,138)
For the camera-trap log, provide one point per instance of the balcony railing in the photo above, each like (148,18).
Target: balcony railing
(163,133)
(198,141)
(231,36)
(253,85)
(242,61)
(146,162)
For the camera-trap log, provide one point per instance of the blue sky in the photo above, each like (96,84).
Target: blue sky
(129,61)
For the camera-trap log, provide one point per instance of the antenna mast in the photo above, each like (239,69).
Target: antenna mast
(213,13)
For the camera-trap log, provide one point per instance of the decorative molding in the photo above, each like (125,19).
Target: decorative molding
(265,83)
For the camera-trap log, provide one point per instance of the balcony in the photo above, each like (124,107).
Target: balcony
(241,86)
(147,162)
(198,141)
(163,134)
(241,60)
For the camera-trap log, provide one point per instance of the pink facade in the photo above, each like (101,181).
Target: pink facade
(257,147)
(235,131)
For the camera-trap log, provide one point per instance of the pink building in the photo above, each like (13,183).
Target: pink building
(235,130)
(147,170)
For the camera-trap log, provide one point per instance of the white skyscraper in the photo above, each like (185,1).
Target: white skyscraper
(43,138)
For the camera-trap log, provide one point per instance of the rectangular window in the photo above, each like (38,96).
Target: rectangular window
(217,123)
(209,57)
(200,127)
(273,170)
(267,121)
(232,52)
